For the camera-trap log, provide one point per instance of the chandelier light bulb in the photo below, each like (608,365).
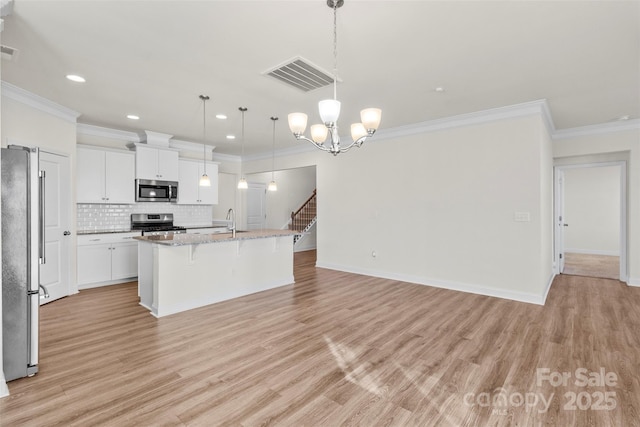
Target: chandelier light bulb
(272,186)
(242,184)
(358,131)
(297,123)
(319,133)
(329,110)
(371,118)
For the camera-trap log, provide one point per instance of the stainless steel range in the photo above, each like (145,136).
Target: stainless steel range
(155,224)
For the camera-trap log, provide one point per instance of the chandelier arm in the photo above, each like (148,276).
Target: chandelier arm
(319,146)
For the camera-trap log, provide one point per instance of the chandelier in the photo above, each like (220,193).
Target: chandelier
(330,111)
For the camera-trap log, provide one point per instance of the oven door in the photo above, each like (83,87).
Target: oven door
(155,191)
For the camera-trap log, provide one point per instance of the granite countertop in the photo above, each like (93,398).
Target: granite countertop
(85,232)
(196,239)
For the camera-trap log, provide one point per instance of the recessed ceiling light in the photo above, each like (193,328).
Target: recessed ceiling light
(221,116)
(231,137)
(439,89)
(76,78)
(623,118)
(133,117)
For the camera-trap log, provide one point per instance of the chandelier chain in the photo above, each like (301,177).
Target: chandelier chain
(335,49)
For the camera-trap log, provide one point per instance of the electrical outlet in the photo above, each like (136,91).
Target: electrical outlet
(522,217)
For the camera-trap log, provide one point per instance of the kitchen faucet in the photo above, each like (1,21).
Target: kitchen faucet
(231,215)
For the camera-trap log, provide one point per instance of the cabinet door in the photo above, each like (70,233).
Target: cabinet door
(120,177)
(90,171)
(167,165)
(94,264)
(188,179)
(146,163)
(209,195)
(124,260)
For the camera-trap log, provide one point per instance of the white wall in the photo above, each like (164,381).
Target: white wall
(617,144)
(592,210)
(438,208)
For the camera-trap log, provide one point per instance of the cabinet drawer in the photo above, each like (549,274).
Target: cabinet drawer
(106,238)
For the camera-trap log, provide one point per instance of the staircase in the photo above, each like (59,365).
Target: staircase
(304,218)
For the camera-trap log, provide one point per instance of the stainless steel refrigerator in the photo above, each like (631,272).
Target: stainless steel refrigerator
(22,253)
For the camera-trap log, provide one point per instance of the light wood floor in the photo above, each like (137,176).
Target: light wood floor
(603,266)
(333,349)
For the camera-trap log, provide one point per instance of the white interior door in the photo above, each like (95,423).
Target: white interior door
(54,273)
(560,219)
(256,206)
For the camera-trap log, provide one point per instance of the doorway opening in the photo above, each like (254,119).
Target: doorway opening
(590,217)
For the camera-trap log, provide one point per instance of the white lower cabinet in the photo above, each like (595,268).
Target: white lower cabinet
(106,259)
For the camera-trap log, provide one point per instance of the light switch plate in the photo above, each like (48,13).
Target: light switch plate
(522,217)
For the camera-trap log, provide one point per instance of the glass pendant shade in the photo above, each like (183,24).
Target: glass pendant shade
(242,184)
(371,118)
(297,122)
(272,186)
(205,181)
(329,110)
(358,131)
(319,133)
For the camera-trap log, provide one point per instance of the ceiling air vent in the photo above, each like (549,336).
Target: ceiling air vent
(301,74)
(9,53)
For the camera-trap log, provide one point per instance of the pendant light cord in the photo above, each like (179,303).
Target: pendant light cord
(204,134)
(273,150)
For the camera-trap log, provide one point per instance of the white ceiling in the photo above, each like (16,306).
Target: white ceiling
(153,59)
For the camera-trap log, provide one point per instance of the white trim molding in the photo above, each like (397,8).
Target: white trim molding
(635,282)
(526,297)
(39,103)
(119,135)
(599,129)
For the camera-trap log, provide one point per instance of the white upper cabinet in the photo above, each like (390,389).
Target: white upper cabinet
(156,163)
(189,190)
(105,176)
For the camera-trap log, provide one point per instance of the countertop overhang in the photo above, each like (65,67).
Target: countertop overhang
(196,239)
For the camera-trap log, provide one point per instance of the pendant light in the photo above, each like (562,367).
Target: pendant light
(272,185)
(242,184)
(204,179)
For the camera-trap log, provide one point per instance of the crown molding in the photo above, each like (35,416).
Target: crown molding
(120,135)
(599,129)
(485,116)
(195,147)
(230,158)
(39,103)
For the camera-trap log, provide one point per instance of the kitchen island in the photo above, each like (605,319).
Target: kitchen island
(180,272)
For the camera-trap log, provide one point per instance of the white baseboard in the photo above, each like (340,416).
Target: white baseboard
(4,390)
(109,283)
(548,288)
(632,281)
(454,286)
(591,252)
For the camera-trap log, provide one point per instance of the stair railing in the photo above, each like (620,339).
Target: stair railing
(303,216)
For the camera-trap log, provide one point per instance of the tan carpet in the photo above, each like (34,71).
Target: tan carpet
(602,266)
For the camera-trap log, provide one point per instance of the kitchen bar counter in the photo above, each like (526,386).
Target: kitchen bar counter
(185,271)
(196,239)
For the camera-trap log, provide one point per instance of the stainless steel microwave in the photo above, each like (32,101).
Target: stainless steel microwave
(156,191)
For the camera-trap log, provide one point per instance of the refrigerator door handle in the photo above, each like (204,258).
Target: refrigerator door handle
(41,217)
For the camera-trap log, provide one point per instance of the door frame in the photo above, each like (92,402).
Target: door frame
(558,174)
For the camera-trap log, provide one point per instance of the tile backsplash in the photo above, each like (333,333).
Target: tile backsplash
(104,217)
